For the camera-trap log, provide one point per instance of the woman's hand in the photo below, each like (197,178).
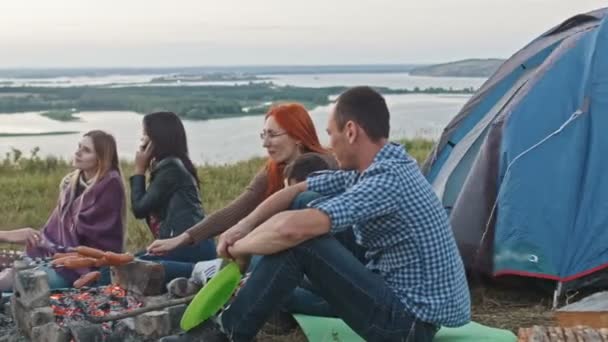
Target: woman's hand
(143,156)
(161,247)
(229,237)
(28,236)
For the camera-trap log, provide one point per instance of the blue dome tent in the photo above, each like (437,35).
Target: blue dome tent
(523,168)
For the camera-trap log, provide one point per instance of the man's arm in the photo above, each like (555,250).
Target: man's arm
(282,231)
(279,201)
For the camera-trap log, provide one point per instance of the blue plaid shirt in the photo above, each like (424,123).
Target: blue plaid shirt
(398,218)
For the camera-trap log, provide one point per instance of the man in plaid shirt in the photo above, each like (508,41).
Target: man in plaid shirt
(412,281)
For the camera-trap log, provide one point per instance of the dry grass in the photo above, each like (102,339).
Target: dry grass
(510,308)
(296,336)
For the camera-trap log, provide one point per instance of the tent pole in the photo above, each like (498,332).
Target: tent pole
(556,295)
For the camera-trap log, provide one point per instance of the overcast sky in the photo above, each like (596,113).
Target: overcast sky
(144,33)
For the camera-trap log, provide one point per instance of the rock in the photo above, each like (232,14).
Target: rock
(154,300)
(129,323)
(50,332)
(142,278)
(42,316)
(175,316)
(154,324)
(31,288)
(21,317)
(182,287)
(86,332)
(124,331)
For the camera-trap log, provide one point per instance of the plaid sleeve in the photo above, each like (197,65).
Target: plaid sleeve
(327,182)
(375,195)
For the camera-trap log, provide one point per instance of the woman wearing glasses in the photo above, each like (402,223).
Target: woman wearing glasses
(288,132)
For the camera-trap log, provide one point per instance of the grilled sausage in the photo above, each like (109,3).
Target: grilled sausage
(63,255)
(61,261)
(101,262)
(115,259)
(89,252)
(79,262)
(87,279)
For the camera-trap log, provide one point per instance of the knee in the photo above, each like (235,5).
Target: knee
(301,201)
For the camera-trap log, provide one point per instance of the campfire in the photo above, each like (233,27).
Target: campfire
(81,304)
(132,308)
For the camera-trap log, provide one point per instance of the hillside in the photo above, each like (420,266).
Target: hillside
(464,68)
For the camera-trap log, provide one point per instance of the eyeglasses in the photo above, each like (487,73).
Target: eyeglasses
(271,134)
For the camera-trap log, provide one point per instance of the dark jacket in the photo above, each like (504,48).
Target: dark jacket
(172,197)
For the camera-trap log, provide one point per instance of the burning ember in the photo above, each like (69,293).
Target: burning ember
(78,304)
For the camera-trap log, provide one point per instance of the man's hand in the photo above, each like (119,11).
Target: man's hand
(28,236)
(242,260)
(162,247)
(229,237)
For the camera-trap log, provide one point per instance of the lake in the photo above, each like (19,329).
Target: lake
(233,139)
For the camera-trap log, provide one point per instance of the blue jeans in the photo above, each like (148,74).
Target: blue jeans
(353,292)
(179,263)
(56,280)
(305,299)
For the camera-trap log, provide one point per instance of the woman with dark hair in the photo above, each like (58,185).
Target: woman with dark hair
(170,203)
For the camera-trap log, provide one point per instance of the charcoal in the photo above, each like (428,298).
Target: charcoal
(79,305)
(104,307)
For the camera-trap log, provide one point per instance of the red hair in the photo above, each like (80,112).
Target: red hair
(296,121)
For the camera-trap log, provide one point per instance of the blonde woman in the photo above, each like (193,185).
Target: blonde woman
(90,210)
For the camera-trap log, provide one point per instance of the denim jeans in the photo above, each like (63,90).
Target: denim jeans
(204,250)
(179,263)
(354,293)
(305,298)
(56,280)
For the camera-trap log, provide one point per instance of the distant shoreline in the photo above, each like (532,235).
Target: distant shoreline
(248,69)
(14,135)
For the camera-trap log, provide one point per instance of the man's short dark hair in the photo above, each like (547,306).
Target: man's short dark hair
(304,165)
(367,108)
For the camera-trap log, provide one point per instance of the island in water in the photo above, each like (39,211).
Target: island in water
(190,102)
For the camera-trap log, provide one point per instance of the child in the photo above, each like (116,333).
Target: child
(307,163)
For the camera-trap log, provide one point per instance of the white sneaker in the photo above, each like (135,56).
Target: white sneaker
(205,270)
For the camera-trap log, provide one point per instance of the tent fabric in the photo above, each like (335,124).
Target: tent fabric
(520,168)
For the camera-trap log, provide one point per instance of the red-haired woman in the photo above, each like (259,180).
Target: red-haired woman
(288,132)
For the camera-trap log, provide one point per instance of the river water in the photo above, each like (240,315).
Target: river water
(233,139)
